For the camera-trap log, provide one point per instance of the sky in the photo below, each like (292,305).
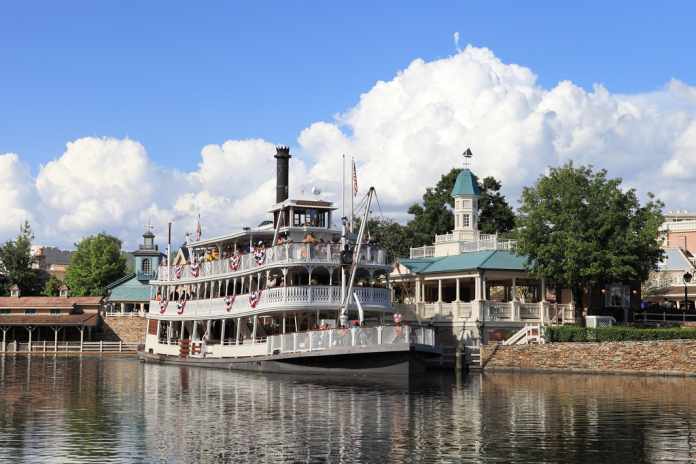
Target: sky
(119,113)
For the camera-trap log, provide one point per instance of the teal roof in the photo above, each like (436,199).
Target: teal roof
(129,289)
(466,184)
(491,259)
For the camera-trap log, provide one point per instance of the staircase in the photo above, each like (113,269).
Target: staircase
(530,333)
(473,357)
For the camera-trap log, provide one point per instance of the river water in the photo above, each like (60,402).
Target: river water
(118,410)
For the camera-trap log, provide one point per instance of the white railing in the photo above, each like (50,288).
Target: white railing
(422,252)
(323,340)
(49,346)
(290,253)
(499,311)
(530,311)
(311,296)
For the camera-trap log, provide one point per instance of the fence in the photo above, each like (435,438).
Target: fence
(68,347)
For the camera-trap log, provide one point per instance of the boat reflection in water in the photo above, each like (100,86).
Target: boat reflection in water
(111,410)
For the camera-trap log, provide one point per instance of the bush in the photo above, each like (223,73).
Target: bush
(571,333)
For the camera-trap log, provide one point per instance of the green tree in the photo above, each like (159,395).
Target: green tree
(392,236)
(434,216)
(52,286)
(580,228)
(16,262)
(97,261)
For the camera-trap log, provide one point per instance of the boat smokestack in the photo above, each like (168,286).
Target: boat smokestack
(282,184)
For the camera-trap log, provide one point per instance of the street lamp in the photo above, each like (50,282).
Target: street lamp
(687,278)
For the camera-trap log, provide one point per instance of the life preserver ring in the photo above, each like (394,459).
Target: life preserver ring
(163,306)
(180,306)
(229,301)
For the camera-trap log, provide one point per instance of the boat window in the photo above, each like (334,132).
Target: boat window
(309,218)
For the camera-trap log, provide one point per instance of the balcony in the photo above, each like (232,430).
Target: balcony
(493,311)
(288,254)
(280,298)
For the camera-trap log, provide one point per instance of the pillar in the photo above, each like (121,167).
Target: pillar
(283,323)
(142,309)
(4,338)
(207,330)
(55,338)
(439,290)
(477,290)
(285,276)
(123,308)
(418,291)
(30,329)
(253,331)
(457,297)
(82,336)
(542,290)
(222,331)
(239,329)
(514,289)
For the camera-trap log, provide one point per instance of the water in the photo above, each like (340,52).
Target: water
(117,410)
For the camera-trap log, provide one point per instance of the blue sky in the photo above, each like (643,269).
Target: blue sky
(179,75)
(119,113)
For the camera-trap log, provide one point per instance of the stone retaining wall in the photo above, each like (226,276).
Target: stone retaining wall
(126,329)
(674,357)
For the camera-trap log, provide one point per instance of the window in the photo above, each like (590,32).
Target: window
(465,220)
(55,312)
(618,296)
(4,311)
(146,266)
(29,311)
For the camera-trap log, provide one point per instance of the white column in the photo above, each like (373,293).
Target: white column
(457,298)
(222,331)
(416,284)
(514,289)
(253,331)
(439,290)
(239,329)
(542,289)
(82,337)
(477,290)
(283,322)
(207,330)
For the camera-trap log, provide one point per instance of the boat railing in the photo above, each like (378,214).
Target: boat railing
(289,253)
(319,340)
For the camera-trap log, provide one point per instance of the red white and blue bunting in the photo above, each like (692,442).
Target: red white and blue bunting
(195,269)
(178,270)
(229,302)
(163,306)
(180,306)
(254,298)
(260,255)
(234,262)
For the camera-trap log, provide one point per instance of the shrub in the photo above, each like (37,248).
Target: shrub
(571,333)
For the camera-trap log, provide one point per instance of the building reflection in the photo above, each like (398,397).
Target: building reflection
(117,410)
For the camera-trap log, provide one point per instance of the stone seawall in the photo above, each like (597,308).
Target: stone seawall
(125,329)
(674,357)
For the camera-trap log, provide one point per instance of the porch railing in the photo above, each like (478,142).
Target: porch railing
(513,311)
(46,346)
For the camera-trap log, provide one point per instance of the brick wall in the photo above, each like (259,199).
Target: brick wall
(660,357)
(126,329)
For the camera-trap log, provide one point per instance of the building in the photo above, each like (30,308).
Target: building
(46,319)
(477,286)
(679,231)
(51,259)
(131,294)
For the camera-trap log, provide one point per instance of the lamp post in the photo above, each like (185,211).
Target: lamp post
(687,278)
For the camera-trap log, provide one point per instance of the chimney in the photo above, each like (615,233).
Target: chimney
(282,183)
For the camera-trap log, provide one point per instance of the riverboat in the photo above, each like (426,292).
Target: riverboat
(294,294)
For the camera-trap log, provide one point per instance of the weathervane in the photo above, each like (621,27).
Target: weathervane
(467,158)
(149,227)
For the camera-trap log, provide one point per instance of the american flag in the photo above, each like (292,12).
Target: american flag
(355,180)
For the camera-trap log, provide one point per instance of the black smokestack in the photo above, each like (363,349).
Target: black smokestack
(282,183)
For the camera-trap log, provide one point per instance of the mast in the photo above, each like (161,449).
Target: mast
(343,185)
(356,255)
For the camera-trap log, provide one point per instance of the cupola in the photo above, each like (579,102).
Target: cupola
(466,194)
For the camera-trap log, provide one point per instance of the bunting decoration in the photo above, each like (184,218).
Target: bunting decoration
(259,255)
(163,306)
(178,270)
(195,269)
(229,301)
(180,306)
(254,298)
(234,262)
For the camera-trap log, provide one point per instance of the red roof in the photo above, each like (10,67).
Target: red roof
(88,319)
(48,301)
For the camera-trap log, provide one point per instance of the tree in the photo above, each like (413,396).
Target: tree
(579,228)
(96,262)
(396,239)
(16,261)
(434,216)
(52,286)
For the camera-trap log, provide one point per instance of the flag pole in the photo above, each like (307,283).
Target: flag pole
(352,192)
(343,186)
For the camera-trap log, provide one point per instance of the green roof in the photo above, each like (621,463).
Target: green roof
(129,289)
(491,259)
(466,184)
